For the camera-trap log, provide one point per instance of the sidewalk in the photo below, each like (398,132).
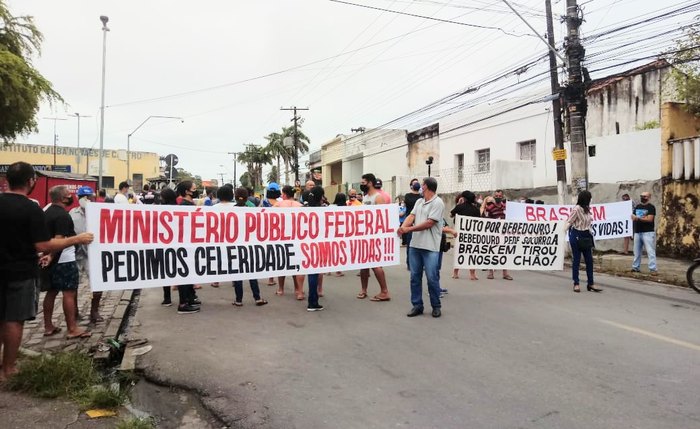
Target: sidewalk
(670,271)
(112,308)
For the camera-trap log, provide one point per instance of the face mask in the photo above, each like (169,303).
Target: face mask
(195,194)
(364,189)
(479,201)
(644,199)
(83,202)
(68,201)
(498,200)
(416,186)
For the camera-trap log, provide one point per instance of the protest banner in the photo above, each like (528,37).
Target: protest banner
(141,246)
(512,245)
(610,220)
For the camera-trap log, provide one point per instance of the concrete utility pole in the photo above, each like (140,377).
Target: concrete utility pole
(55,137)
(235,162)
(575,94)
(296,139)
(78,115)
(100,154)
(556,107)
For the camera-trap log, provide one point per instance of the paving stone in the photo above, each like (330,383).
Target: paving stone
(52,344)
(33,342)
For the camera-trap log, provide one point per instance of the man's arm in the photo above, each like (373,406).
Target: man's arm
(56,244)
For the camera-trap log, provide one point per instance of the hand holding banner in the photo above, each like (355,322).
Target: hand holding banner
(509,245)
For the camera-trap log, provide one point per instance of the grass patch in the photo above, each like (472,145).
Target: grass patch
(101,397)
(136,423)
(53,376)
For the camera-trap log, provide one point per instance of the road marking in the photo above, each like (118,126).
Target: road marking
(652,335)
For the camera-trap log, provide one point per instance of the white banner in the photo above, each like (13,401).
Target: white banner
(141,246)
(513,245)
(610,220)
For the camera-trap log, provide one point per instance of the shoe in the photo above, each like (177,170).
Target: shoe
(166,303)
(592,288)
(415,311)
(314,307)
(654,273)
(196,301)
(187,309)
(577,289)
(444,291)
(636,270)
(437,312)
(237,304)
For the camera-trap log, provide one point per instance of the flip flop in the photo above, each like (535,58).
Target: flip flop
(300,297)
(55,331)
(361,295)
(260,302)
(279,292)
(378,298)
(85,334)
(507,278)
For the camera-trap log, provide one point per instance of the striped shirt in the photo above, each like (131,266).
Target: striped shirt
(579,219)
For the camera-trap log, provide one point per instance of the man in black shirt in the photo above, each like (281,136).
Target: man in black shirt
(189,303)
(23,234)
(466,207)
(644,233)
(410,200)
(63,273)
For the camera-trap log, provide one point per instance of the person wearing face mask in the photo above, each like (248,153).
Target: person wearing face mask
(85,195)
(373,197)
(352,198)
(189,303)
(122,197)
(644,233)
(63,276)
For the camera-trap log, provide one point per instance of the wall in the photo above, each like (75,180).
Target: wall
(625,104)
(633,157)
(113,161)
(677,230)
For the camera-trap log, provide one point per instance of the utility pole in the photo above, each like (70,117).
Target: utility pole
(556,107)
(78,115)
(222,179)
(100,154)
(55,138)
(235,162)
(575,94)
(296,139)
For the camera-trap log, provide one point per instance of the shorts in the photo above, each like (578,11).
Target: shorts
(65,276)
(19,300)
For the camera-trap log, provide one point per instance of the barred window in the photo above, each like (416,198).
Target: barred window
(483,160)
(527,151)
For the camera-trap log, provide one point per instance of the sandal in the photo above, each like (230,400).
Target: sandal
(362,295)
(215,284)
(379,298)
(490,277)
(507,277)
(300,297)
(84,334)
(53,332)
(260,302)
(279,292)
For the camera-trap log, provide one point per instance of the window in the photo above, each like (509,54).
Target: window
(108,182)
(137,182)
(483,160)
(527,151)
(459,165)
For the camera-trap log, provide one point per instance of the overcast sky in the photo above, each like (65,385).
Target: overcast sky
(160,49)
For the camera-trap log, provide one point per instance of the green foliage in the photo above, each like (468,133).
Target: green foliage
(183,174)
(686,71)
(275,147)
(22,87)
(273,175)
(101,397)
(255,157)
(245,180)
(136,423)
(63,374)
(649,125)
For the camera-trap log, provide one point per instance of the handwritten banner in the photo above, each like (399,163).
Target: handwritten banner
(138,246)
(610,220)
(513,245)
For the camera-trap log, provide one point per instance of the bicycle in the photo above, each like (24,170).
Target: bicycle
(693,275)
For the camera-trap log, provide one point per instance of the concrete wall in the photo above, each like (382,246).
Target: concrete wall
(627,157)
(625,104)
(675,124)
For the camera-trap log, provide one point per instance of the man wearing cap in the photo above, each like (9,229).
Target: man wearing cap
(122,197)
(378,185)
(85,196)
(272,195)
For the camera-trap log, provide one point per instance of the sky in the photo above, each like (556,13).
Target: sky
(227,67)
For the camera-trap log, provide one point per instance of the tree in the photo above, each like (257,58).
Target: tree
(245,180)
(183,174)
(686,69)
(255,157)
(22,87)
(276,148)
(273,175)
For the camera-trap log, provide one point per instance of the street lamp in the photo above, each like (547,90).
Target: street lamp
(235,161)
(429,162)
(104,20)
(128,142)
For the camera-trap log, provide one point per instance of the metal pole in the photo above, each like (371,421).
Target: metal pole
(235,178)
(104,20)
(556,107)
(55,138)
(296,139)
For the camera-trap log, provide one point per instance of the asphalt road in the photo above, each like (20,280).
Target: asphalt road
(523,354)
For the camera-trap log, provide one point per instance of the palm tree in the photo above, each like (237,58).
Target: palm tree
(275,148)
(255,157)
(302,145)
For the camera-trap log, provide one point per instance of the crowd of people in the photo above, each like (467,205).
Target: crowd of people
(46,249)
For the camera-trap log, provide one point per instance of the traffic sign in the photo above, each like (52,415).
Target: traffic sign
(559,154)
(171,160)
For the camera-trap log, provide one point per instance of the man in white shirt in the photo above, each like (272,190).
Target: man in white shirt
(122,197)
